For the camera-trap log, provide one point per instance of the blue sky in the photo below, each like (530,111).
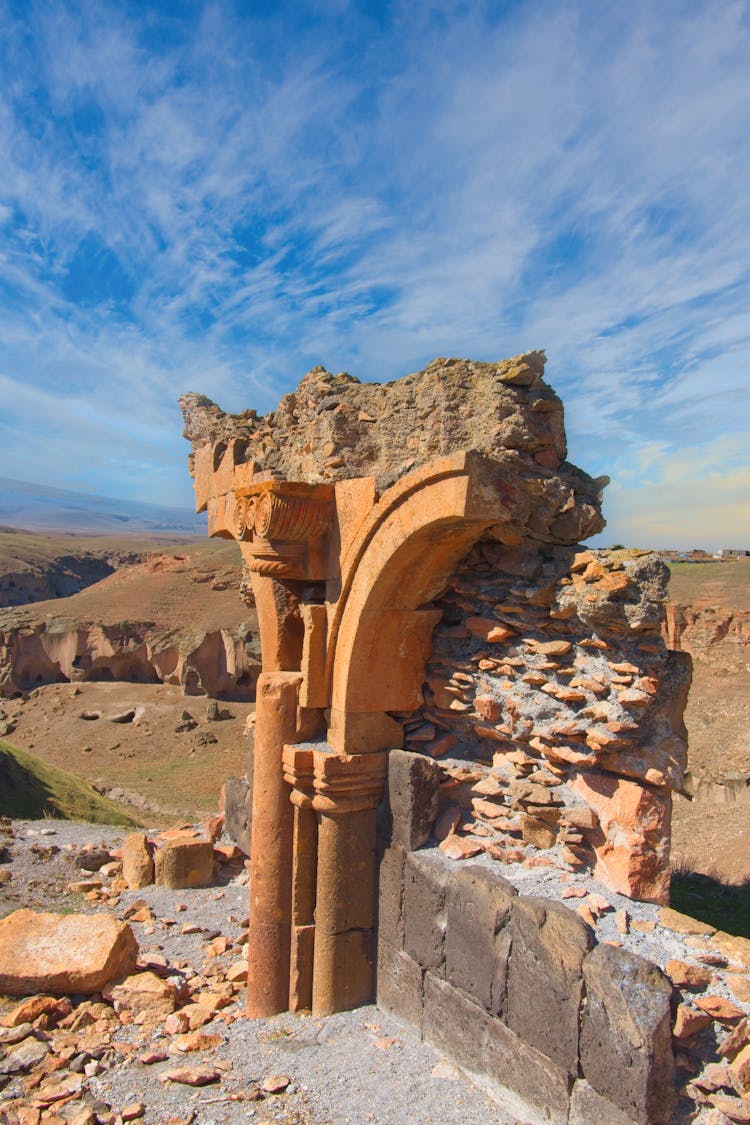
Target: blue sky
(218,196)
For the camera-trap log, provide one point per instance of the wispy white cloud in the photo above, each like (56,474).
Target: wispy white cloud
(211,201)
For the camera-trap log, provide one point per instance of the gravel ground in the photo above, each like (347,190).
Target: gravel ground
(352,1067)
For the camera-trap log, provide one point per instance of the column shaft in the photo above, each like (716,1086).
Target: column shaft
(271,847)
(345,913)
(304,873)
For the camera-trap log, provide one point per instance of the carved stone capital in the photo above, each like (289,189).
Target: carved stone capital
(284,524)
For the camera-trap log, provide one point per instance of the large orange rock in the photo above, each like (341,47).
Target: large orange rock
(632,844)
(63,953)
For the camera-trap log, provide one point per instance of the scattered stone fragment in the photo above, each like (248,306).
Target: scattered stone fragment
(10,1035)
(194,1041)
(191,1076)
(720,1009)
(148,1058)
(684,975)
(736,948)
(622,921)
(143,995)
(24,1056)
(36,1006)
(185,862)
(683,923)
(460,847)
(731,1109)
(688,1022)
(275,1083)
(739,987)
(137,861)
(738,1037)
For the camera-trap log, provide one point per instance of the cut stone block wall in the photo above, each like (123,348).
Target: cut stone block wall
(514,989)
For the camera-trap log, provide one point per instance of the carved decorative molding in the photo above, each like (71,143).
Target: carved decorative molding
(299,772)
(284,524)
(334,783)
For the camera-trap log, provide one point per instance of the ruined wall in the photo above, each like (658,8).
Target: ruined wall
(557,710)
(334,428)
(514,988)
(413,550)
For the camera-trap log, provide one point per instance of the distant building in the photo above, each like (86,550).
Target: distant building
(733,553)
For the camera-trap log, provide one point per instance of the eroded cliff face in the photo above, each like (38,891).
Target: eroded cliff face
(709,632)
(169,619)
(59,577)
(219,663)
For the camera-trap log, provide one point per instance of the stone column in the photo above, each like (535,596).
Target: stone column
(271,847)
(298,772)
(347,790)
(344,965)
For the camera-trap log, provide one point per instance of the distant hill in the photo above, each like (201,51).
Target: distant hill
(31,788)
(36,506)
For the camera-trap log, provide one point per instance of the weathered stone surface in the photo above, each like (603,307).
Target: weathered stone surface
(626,1040)
(238,811)
(461,847)
(453,1024)
(137,861)
(719,1008)
(425,886)
(683,923)
(23,1057)
(400,986)
(452,404)
(413,782)
(635,826)
(191,1076)
(390,898)
(543,655)
(685,975)
(345,975)
(589,1108)
(525,1082)
(143,994)
(548,946)
(735,947)
(477,938)
(63,953)
(184,862)
(29,1010)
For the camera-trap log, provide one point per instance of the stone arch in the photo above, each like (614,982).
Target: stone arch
(380,634)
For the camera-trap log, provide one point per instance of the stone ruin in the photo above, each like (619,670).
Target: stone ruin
(448,674)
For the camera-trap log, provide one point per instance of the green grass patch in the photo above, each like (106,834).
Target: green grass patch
(723,905)
(31,789)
